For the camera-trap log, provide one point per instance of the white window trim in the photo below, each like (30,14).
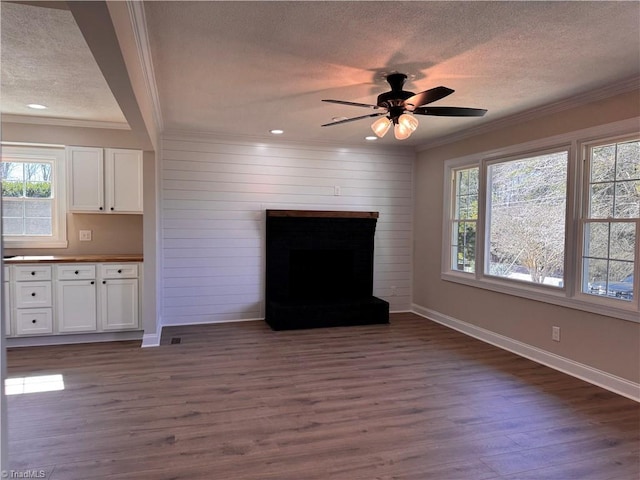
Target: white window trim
(59,210)
(570,294)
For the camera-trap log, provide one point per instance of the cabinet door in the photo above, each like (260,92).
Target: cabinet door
(123,180)
(6,308)
(76,308)
(119,304)
(85,184)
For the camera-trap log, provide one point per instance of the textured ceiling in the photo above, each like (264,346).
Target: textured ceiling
(45,60)
(247,67)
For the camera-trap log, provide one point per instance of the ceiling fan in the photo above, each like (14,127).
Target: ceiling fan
(398,107)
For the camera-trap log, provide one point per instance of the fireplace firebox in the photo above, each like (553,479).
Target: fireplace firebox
(320,270)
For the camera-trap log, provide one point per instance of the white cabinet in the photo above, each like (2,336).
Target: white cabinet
(76,303)
(104,180)
(123,180)
(33,299)
(6,301)
(119,297)
(85,179)
(81,298)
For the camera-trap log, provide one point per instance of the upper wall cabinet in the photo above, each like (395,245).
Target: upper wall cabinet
(104,180)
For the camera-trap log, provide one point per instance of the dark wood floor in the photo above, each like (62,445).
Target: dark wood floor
(409,400)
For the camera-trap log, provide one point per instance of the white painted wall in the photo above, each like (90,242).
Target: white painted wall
(213,196)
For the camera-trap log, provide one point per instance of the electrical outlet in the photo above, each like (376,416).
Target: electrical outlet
(85,235)
(336,190)
(555,334)
(394,291)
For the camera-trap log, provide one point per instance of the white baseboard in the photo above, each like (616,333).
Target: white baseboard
(214,322)
(152,339)
(584,372)
(73,339)
(260,319)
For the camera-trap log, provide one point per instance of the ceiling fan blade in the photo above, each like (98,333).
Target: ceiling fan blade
(354,119)
(353,104)
(450,111)
(427,96)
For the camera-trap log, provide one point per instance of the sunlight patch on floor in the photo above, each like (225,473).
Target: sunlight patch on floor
(41,383)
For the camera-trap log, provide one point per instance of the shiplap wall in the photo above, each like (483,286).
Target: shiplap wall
(213,198)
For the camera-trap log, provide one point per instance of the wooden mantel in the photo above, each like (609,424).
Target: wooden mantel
(320,214)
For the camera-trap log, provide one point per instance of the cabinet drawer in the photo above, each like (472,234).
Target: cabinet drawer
(114,270)
(31,272)
(76,272)
(34,321)
(33,294)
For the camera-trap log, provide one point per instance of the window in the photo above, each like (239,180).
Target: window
(611,214)
(526,211)
(33,213)
(464,219)
(555,220)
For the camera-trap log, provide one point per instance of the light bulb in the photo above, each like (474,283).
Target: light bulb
(408,121)
(401,132)
(381,126)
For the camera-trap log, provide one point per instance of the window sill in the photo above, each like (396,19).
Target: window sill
(554,296)
(33,244)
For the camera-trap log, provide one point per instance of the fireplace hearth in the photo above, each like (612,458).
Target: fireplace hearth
(320,270)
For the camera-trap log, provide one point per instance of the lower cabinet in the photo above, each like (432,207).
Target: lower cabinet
(76,301)
(6,301)
(119,299)
(119,288)
(87,298)
(32,299)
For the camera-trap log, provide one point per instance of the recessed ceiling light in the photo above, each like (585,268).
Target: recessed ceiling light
(276,131)
(37,106)
(371,138)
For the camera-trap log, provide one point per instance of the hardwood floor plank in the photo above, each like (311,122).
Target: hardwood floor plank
(408,400)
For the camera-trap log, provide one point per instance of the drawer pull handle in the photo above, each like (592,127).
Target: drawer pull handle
(104,282)
(33,294)
(33,273)
(92,282)
(112,209)
(100,208)
(119,271)
(76,272)
(34,321)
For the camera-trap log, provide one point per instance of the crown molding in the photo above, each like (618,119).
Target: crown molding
(139,26)
(63,122)
(607,91)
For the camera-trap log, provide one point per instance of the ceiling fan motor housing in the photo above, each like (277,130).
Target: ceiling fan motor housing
(394,100)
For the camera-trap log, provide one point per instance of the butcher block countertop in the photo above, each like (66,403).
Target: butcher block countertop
(19,259)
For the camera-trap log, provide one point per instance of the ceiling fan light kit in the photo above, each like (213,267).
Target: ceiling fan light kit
(381,126)
(401,132)
(399,107)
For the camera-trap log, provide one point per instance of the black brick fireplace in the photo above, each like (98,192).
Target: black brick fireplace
(320,270)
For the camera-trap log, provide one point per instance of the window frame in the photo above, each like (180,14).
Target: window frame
(56,156)
(584,219)
(486,164)
(451,218)
(570,294)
